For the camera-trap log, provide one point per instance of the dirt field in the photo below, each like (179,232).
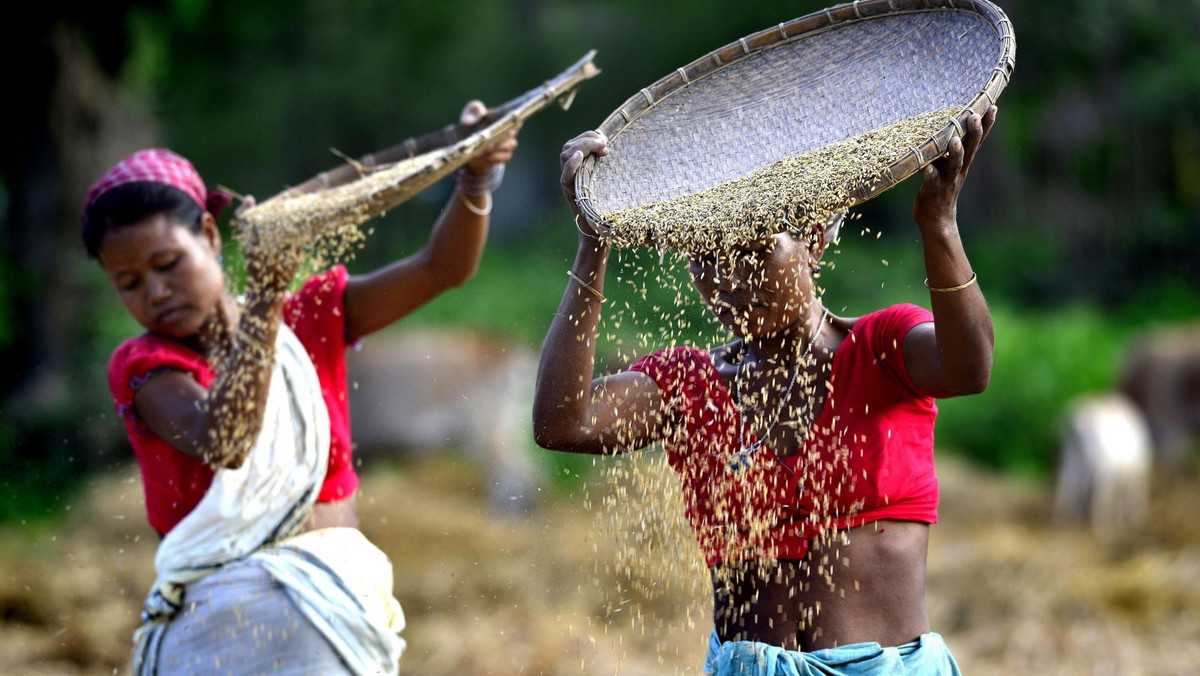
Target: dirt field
(547,594)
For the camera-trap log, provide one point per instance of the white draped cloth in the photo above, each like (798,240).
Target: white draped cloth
(340,581)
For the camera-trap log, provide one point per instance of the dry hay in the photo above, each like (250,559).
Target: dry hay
(791,194)
(1010,592)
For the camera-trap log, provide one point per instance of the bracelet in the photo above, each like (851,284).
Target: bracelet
(487,198)
(589,287)
(475,185)
(948,289)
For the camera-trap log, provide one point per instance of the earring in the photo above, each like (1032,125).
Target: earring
(815,269)
(220,259)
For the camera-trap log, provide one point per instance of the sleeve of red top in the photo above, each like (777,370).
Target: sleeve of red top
(665,367)
(890,326)
(673,369)
(654,365)
(136,359)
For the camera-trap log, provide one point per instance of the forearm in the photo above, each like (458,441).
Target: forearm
(451,257)
(567,367)
(962,321)
(457,242)
(232,412)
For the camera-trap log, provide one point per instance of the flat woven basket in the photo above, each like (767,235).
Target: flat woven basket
(817,80)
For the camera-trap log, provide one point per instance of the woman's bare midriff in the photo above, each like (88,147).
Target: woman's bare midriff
(333,514)
(866,584)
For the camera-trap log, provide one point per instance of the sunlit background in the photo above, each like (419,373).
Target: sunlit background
(1081,218)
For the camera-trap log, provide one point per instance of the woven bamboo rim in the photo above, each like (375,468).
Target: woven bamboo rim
(439,153)
(722,116)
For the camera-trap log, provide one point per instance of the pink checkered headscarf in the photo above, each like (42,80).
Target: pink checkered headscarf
(159,165)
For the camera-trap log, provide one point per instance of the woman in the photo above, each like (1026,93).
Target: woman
(237,412)
(805,446)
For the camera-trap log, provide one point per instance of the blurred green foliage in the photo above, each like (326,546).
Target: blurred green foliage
(1081,215)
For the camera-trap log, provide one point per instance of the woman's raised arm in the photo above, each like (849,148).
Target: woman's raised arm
(572,410)
(952,356)
(448,260)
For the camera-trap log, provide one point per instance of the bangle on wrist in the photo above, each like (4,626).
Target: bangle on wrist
(589,287)
(950,289)
(478,211)
(477,185)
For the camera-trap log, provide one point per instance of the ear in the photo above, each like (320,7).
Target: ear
(829,234)
(210,232)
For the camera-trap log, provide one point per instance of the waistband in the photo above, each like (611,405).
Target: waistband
(927,654)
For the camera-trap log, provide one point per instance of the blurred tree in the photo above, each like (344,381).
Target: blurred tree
(72,122)
(1101,154)
(1089,188)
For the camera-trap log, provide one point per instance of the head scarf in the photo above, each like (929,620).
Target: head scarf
(159,165)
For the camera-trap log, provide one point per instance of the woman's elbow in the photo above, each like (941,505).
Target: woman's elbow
(551,436)
(553,433)
(547,439)
(453,278)
(977,385)
(974,381)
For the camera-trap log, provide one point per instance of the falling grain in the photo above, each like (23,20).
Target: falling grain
(640,505)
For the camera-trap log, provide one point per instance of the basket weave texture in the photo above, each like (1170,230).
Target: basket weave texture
(797,87)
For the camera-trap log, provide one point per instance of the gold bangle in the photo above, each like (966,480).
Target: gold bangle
(948,289)
(487,197)
(572,275)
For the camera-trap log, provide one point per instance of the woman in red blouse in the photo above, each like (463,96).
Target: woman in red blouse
(805,446)
(227,403)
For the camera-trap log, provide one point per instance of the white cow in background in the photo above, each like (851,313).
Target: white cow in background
(426,390)
(1104,468)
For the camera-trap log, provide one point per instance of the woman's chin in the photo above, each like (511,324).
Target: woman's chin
(746,330)
(749,325)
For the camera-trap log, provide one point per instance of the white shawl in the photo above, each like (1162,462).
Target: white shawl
(248,510)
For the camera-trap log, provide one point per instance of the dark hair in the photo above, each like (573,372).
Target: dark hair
(129,203)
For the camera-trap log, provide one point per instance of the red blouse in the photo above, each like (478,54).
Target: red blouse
(868,456)
(173,481)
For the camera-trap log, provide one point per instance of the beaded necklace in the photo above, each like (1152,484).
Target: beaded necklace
(741,459)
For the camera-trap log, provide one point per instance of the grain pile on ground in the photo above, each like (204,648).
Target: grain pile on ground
(789,194)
